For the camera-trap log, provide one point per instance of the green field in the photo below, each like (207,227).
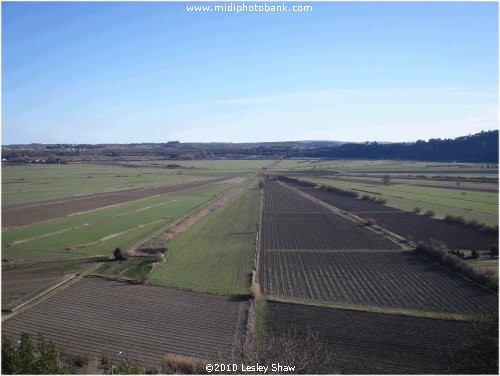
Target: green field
(135,268)
(216,254)
(394,167)
(99,232)
(36,182)
(482,206)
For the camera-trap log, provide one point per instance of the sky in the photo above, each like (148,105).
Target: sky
(155,72)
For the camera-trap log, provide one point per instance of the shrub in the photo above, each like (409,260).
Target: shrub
(474,254)
(417,209)
(438,251)
(474,223)
(127,367)
(368,222)
(429,213)
(28,358)
(255,290)
(459,220)
(119,255)
(377,200)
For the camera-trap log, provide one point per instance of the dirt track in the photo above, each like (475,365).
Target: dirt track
(33,212)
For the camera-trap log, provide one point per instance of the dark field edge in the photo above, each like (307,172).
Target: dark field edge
(375,343)
(369,309)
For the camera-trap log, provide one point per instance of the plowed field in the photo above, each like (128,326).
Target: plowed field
(367,343)
(410,225)
(392,279)
(292,221)
(318,231)
(98,317)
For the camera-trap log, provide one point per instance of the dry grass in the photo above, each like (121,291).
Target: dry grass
(255,290)
(184,364)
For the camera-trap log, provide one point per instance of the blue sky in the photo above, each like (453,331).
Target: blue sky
(153,72)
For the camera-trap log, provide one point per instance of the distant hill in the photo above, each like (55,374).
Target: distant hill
(480,147)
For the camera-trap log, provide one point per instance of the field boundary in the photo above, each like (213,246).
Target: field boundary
(25,265)
(338,250)
(224,198)
(43,295)
(255,274)
(371,309)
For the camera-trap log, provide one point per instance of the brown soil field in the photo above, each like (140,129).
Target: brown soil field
(349,204)
(318,231)
(417,227)
(280,199)
(97,317)
(22,283)
(292,221)
(374,343)
(391,279)
(33,212)
(412,226)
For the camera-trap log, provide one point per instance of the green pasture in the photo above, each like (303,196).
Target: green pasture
(216,254)
(441,183)
(482,206)
(99,232)
(237,165)
(387,166)
(35,182)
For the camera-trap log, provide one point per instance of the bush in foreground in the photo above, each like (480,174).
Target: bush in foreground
(25,357)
